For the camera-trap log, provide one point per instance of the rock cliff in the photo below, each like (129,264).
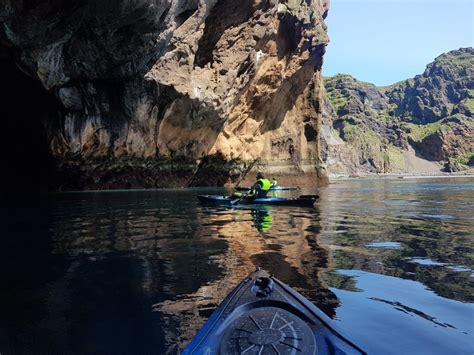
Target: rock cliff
(151,93)
(421,125)
(444,89)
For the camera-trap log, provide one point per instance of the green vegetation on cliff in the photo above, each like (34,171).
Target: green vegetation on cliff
(362,117)
(338,100)
(433,112)
(417,132)
(462,58)
(440,91)
(469,103)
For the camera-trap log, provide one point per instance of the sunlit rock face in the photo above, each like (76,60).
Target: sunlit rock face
(422,125)
(168,78)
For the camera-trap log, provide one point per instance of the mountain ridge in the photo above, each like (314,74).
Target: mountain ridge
(369,129)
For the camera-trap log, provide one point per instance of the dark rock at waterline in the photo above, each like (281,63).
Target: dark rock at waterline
(128,172)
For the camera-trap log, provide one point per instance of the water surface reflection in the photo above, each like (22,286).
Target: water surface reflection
(140,271)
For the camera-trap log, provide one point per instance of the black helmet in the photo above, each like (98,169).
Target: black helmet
(260,175)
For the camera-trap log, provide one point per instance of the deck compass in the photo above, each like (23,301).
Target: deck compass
(268,330)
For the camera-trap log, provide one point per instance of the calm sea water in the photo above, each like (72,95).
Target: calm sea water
(138,272)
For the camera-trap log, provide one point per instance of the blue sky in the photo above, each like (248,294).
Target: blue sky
(385,41)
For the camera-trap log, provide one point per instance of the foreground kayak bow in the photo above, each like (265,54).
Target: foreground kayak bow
(303,200)
(262,315)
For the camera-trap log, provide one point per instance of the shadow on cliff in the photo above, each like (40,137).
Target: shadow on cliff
(272,110)
(27,163)
(225,14)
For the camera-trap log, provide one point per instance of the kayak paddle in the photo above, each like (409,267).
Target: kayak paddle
(239,199)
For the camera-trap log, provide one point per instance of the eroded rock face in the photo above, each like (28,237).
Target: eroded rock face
(456,139)
(358,134)
(237,79)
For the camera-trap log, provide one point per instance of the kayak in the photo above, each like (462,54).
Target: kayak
(262,315)
(303,200)
(273,188)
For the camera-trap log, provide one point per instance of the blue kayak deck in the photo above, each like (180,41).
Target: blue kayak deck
(262,315)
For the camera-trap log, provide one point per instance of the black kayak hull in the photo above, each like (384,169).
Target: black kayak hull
(305,200)
(262,315)
(276,188)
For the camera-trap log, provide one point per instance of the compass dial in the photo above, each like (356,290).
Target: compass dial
(268,330)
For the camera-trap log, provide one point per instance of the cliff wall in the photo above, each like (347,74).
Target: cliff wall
(423,125)
(172,92)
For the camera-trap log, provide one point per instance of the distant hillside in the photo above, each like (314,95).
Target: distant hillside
(420,125)
(444,89)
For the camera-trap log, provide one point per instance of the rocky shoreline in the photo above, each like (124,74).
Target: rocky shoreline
(333,177)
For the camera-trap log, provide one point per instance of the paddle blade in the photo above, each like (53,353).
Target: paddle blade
(315,197)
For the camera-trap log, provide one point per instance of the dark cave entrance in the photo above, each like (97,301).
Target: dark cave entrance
(27,163)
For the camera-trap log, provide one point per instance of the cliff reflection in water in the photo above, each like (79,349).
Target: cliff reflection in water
(164,250)
(420,232)
(287,248)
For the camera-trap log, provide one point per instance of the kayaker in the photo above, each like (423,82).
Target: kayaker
(274,182)
(260,188)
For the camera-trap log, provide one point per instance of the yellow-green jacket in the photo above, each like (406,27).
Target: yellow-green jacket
(260,188)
